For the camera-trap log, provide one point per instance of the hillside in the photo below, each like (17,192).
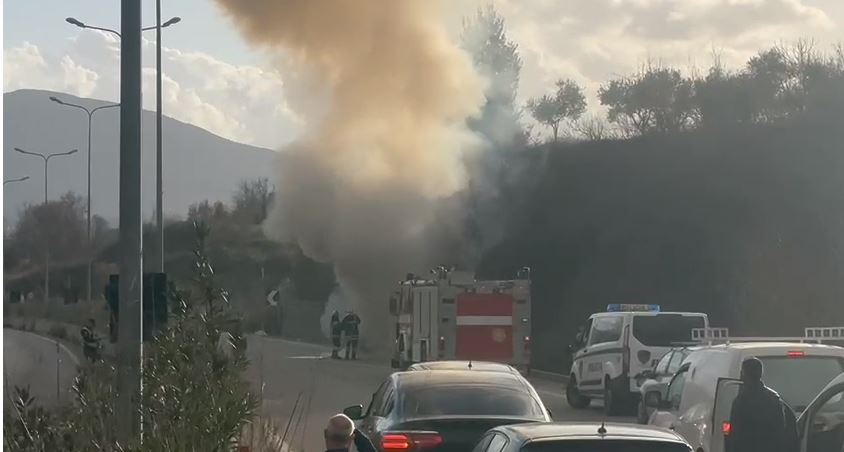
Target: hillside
(742,223)
(198,165)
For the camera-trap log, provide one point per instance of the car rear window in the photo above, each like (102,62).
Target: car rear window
(799,379)
(605,445)
(469,400)
(665,330)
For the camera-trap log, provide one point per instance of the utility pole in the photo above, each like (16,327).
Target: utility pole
(159,182)
(129,345)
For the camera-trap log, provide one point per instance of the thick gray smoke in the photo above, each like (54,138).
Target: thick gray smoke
(386,97)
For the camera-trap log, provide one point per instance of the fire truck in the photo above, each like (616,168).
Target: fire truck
(452,316)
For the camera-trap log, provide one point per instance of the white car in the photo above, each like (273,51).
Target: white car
(699,398)
(658,379)
(615,346)
(821,425)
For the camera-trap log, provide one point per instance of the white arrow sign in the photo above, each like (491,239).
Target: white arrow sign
(271,297)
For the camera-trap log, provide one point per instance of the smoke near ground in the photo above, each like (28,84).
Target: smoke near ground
(386,97)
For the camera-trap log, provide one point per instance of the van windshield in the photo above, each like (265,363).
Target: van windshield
(665,330)
(799,380)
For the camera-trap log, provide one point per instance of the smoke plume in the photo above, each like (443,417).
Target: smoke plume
(386,96)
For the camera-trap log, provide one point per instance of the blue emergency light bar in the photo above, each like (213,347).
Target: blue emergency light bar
(618,307)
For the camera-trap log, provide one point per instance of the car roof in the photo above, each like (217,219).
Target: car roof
(417,378)
(649,313)
(774,346)
(587,430)
(463,365)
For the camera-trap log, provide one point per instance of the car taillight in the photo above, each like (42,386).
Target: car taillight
(796,354)
(410,440)
(726,428)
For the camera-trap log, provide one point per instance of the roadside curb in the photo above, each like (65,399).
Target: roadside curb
(551,376)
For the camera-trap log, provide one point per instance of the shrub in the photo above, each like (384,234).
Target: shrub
(194,397)
(58,332)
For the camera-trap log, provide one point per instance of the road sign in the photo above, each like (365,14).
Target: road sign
(272,297)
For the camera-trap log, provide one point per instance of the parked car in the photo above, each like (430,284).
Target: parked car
(658,378)
(581,437)
(477,366)
(445,410)
(699,398)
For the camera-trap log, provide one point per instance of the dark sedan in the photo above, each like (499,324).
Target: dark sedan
(581,437)
(445,410)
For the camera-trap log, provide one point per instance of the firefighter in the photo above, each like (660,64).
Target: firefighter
(351,323)
(757,417)
(90,342)
(336,330)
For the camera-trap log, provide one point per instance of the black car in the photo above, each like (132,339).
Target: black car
(445,410)
(581,437)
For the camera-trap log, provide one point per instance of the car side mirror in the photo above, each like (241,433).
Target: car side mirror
(578,338)
(354,412)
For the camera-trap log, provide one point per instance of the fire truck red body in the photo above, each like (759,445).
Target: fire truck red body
(453,316)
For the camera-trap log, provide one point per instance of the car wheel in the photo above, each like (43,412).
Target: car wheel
(612,401)
(573,396)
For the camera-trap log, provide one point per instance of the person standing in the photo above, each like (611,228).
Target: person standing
(351,323)
(758,419)
(336,330)
(340,433)
(90,342)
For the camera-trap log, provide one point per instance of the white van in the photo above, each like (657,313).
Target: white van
(699,398)
(614,347)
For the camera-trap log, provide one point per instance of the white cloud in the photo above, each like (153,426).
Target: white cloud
(242,103)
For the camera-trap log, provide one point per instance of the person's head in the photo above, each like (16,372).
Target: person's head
(751,370)
(339,432)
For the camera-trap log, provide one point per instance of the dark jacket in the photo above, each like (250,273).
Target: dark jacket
(335,324)
(350,325)
(758,421)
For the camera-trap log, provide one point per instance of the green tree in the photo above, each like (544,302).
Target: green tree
(567,103)
(252,201)
(495,57)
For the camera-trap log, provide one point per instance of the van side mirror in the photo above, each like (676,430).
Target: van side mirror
(355,412)
(578,338)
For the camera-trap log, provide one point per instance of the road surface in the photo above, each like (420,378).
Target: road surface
(38,362)
(288,369)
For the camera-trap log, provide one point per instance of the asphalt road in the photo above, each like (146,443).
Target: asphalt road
(291,370)
(33,361)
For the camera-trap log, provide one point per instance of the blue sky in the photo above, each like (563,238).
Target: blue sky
(214,80)
(203,27)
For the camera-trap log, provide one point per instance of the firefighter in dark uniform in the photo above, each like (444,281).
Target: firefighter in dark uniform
(90,342)
(758,417)
(336,331)
(351,323)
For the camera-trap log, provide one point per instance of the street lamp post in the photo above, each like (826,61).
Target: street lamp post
(20,179)
(159,177)
(46,159)
(90,113)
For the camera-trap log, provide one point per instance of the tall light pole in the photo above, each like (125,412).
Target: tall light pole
(46,158)
(90,112)
(159,177)
(130,320)
(20,179)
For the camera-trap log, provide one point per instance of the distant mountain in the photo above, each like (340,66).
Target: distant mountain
(198,165)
